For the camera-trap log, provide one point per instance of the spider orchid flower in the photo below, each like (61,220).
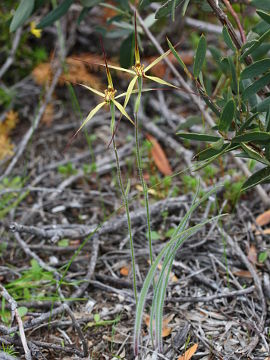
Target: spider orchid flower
(108,97)
(139,71)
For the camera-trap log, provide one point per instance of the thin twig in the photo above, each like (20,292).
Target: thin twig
(36,122)
(15,313)
(11,57)
(236,18)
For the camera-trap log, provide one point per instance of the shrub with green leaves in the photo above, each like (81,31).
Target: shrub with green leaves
(242,106)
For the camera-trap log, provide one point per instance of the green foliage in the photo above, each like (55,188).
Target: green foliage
(242,105)
(11,195)
(22,13)
(9,349)
(199,56)
(233,191)
(67,170)
(32,284)
(167,254)
(263,256)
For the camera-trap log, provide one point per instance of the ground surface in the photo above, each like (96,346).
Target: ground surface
(64,234)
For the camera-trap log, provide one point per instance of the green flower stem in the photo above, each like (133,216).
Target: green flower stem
(126,203)
(139,164)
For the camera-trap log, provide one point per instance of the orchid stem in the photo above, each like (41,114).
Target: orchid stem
(139,164)
(126,203)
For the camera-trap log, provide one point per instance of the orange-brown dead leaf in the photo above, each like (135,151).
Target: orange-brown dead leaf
(79,70)
(264,231)
(8,124)
(166,329)
(243,273)
(172,277)
(124,271)
(159,156)
(263,219)
(47,117)
(252,254)
(189,353)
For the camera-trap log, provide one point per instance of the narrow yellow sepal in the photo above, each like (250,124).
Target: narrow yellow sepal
(90,115)
(160,81)
(155,62)
(122,110)
(93,90)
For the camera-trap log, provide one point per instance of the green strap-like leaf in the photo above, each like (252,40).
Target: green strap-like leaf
(256,45)
(198,137)
(55,14)
(246,124)
(255,69)
(254,154)
(256,86)
(262,106)
(22,13)
(180,61)
(257,178)
(259,137)
(227,38)
(199,57)
(226,117)
(264,16)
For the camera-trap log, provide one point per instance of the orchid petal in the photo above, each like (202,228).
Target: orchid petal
(130,89)
(122,110)
(161,57)
(93,90)
(90,115)
(160,81)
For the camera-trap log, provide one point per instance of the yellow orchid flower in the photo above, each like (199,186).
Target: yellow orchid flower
(33,30)
(109,98)
(139,71)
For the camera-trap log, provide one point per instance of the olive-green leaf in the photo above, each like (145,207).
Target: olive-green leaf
(246,123)
(198,137)
(262,106)
(256,86)
(22,13)
(22,310)
(212,152)
(199,57)
(261,4)
(55,14)
(167,8)
(264,16)
(227,115)
(261,39)
(259,137)
(255,69)
(257,178)
(227,38)
(253,154)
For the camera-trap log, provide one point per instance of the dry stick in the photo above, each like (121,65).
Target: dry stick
(11,57)
(36,121)
(235,247)
(77,294)
(236,18)
(58,232)
(263,195)
(15,313)
(186,299)
(225,21)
